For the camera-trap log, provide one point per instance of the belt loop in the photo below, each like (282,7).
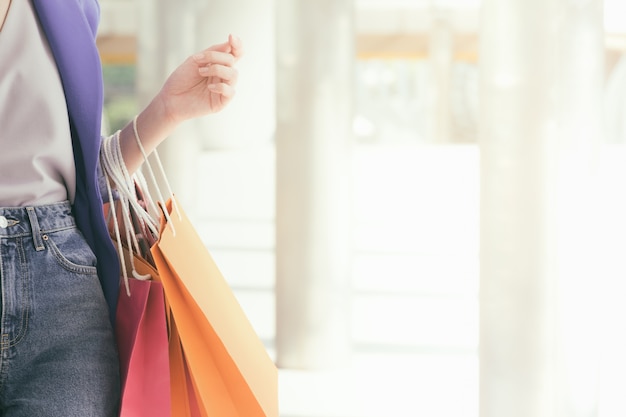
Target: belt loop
(34,225)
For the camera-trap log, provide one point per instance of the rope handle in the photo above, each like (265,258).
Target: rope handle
(110,158)
(117,177)
(161,200)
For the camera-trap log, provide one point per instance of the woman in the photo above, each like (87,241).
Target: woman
(59,272)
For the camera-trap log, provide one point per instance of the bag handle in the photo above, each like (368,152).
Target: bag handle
(161,200)
(115,170)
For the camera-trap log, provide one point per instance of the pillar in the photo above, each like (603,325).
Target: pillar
(166,36)
(541,64)
(250,119)
(315,59)
(441,57)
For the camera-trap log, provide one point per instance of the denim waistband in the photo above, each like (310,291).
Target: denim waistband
(34,220)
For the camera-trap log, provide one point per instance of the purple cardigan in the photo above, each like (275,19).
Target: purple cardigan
(70,26)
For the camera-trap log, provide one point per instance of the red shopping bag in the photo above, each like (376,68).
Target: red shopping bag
(142,339)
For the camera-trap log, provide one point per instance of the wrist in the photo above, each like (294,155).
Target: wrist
(153,125)
(160,111)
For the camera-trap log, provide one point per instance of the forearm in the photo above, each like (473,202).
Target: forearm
(154,124)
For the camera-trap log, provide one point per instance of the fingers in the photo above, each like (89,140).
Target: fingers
(232,47)
(228,74)
(227,91)
(216,64)
(214,57)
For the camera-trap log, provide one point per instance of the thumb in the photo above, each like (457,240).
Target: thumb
(220,47)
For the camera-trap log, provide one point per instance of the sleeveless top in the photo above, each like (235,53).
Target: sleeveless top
(36,156)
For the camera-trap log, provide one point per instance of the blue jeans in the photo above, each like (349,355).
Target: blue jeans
(57,352)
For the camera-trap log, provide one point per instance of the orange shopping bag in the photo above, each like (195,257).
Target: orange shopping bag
(231,373)
(184,398)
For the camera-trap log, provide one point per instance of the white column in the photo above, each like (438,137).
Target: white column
(166,36)
(315,56)
(581,134)
(250,119)
(441,56)
(541,95)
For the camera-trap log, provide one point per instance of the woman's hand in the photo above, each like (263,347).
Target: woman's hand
(204,83)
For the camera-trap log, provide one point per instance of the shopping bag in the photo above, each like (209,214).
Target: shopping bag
(183,391)
(140,327)
(230,370)
(142,340)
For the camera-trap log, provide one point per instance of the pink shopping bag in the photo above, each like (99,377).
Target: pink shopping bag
(142,339)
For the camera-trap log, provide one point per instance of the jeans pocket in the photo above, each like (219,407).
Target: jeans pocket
(71,251)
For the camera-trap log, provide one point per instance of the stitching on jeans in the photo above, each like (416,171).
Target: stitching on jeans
(2,312)
(23,325)
(67,264)
(30,233)
(59,229)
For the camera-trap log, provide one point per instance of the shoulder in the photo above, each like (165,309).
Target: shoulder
(64,13)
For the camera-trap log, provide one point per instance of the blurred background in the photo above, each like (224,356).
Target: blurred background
(420,204)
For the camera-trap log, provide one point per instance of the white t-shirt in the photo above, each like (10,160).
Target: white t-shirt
(36,156)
